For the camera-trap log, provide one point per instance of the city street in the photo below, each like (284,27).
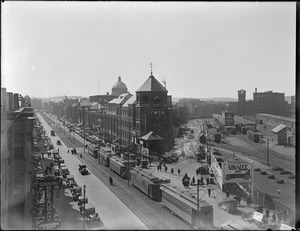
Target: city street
(151,213)
(113,213)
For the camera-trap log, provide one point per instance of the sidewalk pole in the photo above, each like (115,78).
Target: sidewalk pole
(84,207)
(198,204)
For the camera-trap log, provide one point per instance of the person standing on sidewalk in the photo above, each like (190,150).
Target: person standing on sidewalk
(209,191)
(178,171)
(68,151)
(172,170)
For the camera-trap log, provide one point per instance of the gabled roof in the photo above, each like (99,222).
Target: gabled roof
(121,99)
(279,128)
(96,106)
(131,100)
(151,136)
(151,84)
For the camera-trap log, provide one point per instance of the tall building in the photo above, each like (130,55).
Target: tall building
(269,102)
(241,102)
(16,162)
(153,112)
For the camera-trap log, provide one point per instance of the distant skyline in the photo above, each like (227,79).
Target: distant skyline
(201,49)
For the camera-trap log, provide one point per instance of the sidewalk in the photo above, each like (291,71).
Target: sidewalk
(113,213)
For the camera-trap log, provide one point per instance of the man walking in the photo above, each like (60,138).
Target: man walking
(209,191)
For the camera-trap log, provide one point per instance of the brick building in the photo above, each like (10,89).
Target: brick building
(16,162)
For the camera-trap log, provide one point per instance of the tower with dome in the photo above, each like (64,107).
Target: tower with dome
(119,88)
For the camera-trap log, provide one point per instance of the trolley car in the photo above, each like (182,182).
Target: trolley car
(119,167)
(93,150)
(185,206)
(150,185)
(104,158)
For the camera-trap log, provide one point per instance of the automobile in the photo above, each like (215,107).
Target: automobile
(82,169)
(58,142)
(245,176)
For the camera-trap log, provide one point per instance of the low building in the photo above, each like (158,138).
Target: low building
(280,134)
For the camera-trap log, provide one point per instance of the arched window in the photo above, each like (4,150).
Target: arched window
(156,99)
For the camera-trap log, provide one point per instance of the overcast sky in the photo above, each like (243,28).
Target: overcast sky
(201,49)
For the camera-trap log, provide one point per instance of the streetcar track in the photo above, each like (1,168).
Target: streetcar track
(156,221)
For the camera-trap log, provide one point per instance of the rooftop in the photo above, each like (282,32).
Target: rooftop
(151,84)
(279,128)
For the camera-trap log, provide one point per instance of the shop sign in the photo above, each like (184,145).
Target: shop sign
(145,151)
(229,118)
(258,216)
(52,225)
(237,172)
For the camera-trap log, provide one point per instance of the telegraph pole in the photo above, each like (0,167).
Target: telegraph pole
(268,152)
(198,184)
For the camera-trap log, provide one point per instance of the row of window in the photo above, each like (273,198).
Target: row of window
(181,205)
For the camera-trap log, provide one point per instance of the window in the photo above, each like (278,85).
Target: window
(156,99)
(145,99)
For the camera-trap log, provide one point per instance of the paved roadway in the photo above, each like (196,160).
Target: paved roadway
(151,213)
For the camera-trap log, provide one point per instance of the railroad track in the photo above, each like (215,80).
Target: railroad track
(151,213)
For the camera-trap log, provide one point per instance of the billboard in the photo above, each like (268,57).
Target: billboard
(229,118)
(217,170)
(237,172)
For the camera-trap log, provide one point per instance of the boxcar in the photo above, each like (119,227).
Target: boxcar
(185,206)
(253,136)
(150,185)
(118,167)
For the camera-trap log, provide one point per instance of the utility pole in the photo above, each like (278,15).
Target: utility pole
(198,184)
(268,152)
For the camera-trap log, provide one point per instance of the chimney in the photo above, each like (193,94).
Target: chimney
(255,90)
(16,101)
(10,101)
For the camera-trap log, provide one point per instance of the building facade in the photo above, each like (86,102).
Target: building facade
(16,162)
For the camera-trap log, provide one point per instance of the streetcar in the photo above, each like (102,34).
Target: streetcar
(150,185)
(119,167)
(104,158)
(93,150)
(185,206)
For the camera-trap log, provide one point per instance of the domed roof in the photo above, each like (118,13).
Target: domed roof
(119,88)
(119,84)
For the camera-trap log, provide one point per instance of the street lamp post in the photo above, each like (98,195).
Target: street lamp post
(84,207)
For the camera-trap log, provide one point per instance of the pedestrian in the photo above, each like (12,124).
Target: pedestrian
(201,180)
(178,171)
(166,168)
(284,215)
(172,170)
(274,217)
(239,199)
(58,149)
(267,214)
(207,181)
(279,217)
(193,180)
(68,151)
(209,191)
(227,193)
(46,172)
(157,167)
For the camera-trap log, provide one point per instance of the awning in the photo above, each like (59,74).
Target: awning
(151,136)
